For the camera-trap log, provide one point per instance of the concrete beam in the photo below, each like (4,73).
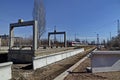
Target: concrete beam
(25,23)
(51,33)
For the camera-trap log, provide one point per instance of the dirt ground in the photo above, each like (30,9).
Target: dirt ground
(23,72)
(80,73)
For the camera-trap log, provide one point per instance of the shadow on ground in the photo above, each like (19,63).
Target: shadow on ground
(28,67)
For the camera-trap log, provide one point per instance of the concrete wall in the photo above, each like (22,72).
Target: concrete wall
(41,61)
(5,71)
(105,61)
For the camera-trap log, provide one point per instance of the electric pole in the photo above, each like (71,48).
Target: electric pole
(118,27)
(110,36)
(75,36)
(97,40)
(55,35)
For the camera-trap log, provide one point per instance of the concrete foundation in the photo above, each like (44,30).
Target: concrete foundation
(41,61)
(105,61)
(5,71)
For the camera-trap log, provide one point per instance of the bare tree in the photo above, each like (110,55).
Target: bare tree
(39,15)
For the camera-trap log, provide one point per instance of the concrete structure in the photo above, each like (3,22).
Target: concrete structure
(5,71)
(21,24)
(41,61)
(54,33)
(104,61)
(22,55)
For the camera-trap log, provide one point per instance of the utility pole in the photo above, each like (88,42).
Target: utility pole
(97,40)
(75,36)
(86,41)
(0,43)
(55,35)
(110,40)
(118,27)
(110,36)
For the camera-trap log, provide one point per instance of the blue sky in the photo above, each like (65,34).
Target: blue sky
(85,18)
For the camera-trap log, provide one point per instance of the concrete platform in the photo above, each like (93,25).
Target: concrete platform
(26,55)
(41,61)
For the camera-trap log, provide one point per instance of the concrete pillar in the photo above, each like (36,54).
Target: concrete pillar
(0,42)
(11,43)
(65,43)
(49,44)
(35,36)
